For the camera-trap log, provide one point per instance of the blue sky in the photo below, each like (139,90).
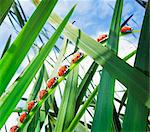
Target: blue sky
(91,16)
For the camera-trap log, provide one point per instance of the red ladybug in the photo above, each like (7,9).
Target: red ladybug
(14,128)
(102,38)
(63,70)
(42,93)
(126,29)
(76,57)
(31,105)
(22,117)
(51,82)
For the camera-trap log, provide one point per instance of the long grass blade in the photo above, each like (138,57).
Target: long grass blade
(82,110)
(67,108)
(5,5)
(136,113)
(33,96)
(6,46)
(51,101)
(37,85)
(85,83)
(23,42)
(105,97)
(24,81)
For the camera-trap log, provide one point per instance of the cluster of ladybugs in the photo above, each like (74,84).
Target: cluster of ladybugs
(125,29)
(51,82)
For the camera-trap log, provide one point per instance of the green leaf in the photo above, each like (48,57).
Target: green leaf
(23,42)
(51,100)
(18,14)
(85,83)
(4,8)
(30,72)
(85,105)
(136,113)
(37,85)
(33,96)
(82,110)
(105,97)
(120,70)
(67,108)
(6,46)
(24,81)
(51,91)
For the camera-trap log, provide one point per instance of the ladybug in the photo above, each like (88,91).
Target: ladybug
(14,128)
(22,117)
(51,82)
(102,38)
(126,29)
(63,70)
(31,104)
(42,93)
(76,57)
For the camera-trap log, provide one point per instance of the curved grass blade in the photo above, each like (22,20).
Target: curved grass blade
(82,110)
(107,59)
(23,41)
(24,81)
(104,104)
(85,83)
(6,46)
(5,5)
(136,113)
(67,108)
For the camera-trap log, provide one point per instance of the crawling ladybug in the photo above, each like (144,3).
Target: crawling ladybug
(42,93)
(102,38)
(31,104)
(51,82)
(76,57)
(22,117)
(14,128)
(63,70)
(126,29)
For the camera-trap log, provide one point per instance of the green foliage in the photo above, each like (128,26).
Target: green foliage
(23,41)
(105,57)
(136,113)
(5,5)
(78,96)
(106,88)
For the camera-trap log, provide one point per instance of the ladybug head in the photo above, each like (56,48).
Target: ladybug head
(67,66)
(81,54)
(55,78)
